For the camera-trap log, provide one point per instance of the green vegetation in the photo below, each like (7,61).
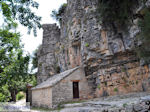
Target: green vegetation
(125,104)
(143,50)
(123,69)
(116,13)
(137,81)
(20,10)
(105,83)
(98,86)
(72,102)
(86,44)
(115,89)
(57,15)
(20,96)
(35,58)
(61,105)
(13,62)
(41,109)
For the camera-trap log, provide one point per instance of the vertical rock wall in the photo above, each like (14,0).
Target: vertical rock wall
(47,59)
(107,54)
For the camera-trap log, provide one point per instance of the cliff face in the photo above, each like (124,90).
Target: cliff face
(47,60)
(106,54)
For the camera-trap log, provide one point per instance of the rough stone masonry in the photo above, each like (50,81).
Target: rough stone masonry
(107,55)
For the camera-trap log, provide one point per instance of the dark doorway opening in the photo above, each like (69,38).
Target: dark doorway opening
(75,89)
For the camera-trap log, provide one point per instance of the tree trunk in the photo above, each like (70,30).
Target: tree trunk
(13,95)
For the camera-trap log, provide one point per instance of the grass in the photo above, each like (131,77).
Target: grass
(20,95)
(42,109)
(59,107)
(1,109)
(75,101)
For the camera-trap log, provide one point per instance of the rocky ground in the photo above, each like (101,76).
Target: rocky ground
(123,103)
(135,102)
(19,106)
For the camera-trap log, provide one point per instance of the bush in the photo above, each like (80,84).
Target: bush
(2,97)
(115,89)
(4,94)
(20,96)
(143,51)
(86,44)
(117,11)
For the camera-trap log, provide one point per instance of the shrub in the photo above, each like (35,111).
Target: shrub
(143,50)
(20,96)
(98,86)
(116,11)
(115,89)
(86,44)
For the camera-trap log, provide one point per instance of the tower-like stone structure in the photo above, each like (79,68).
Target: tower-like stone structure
(47,61)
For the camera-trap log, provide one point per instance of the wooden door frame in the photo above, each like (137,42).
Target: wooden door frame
(75,94)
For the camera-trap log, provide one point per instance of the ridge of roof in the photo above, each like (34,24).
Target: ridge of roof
(55,79)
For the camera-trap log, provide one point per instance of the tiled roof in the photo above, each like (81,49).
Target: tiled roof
(55,79)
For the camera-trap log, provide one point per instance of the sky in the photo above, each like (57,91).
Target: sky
(45,8)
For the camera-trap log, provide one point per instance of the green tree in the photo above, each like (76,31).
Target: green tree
(13,65)
(57,15)
(20,10)
(35,59)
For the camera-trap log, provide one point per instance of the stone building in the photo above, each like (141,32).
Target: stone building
(106,54)
(62,87)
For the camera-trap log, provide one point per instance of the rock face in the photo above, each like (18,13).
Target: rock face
(47,60)
(107,55)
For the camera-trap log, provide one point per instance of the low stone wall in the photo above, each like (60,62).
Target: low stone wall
(42,98)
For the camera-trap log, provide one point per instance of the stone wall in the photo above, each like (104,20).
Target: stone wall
(42,98)
(110,63)
(63,91)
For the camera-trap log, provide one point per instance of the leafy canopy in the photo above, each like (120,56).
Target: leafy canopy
(20,10)
(13,64)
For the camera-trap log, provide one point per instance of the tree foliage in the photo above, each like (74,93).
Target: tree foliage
(20,10)
(35,59)
(143,50)
(13,64)
(116,12)
(57,15)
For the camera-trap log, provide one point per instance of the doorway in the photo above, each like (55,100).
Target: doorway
(75,89)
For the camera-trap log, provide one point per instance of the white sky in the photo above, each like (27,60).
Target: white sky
(44,10)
